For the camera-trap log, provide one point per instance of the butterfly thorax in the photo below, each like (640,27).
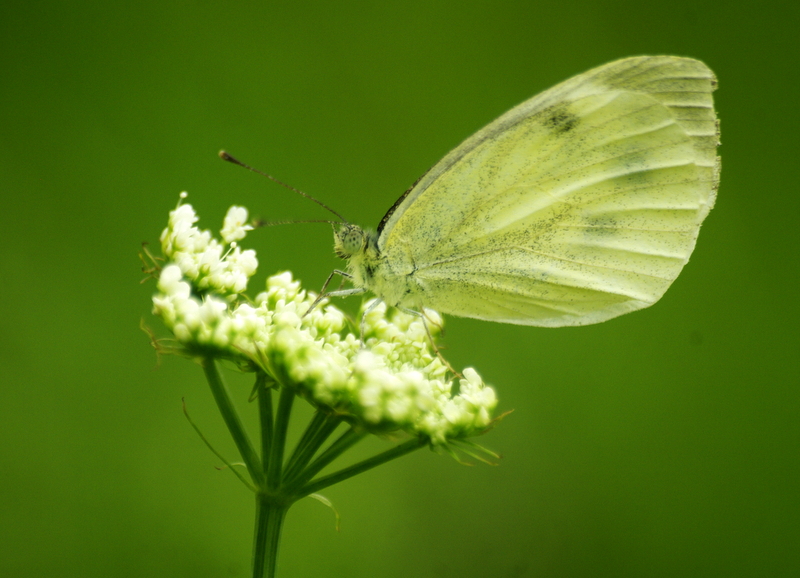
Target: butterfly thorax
(369,268)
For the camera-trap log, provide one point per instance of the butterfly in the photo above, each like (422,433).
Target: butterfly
(579,205)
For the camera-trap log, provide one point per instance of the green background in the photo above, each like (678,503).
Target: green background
(663,443)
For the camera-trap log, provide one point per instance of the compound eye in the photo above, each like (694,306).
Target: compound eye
(349,241)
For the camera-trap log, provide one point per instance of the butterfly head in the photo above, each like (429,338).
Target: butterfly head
(349,240)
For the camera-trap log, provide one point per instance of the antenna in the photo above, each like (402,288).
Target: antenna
(226,157)
(261,223)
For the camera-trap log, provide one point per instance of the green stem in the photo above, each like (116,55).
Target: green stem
(319,430)
(368,464)
(270,514)
(275,464)
(231,418)
(337,448)
(264,395)
(229,465)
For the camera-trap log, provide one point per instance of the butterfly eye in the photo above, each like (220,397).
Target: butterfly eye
(348,241)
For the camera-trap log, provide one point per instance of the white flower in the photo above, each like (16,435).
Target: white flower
(204,261)
(234,227)
(393,380)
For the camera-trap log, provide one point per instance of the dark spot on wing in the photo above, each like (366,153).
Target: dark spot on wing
(605,226)
(561,120)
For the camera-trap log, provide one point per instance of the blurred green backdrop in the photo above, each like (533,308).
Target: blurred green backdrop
(663,443)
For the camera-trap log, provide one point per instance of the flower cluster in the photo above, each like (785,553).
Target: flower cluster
(210,265)
(391,379)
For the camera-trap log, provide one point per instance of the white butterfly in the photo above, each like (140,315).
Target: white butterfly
(580,204)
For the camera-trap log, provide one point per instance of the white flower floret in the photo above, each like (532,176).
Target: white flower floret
(235,227)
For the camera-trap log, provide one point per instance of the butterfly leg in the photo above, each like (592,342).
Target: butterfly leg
(425,321)
(343,274)
(372,306)
(338,293)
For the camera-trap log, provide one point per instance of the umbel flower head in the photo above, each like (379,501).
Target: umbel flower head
(391,380)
